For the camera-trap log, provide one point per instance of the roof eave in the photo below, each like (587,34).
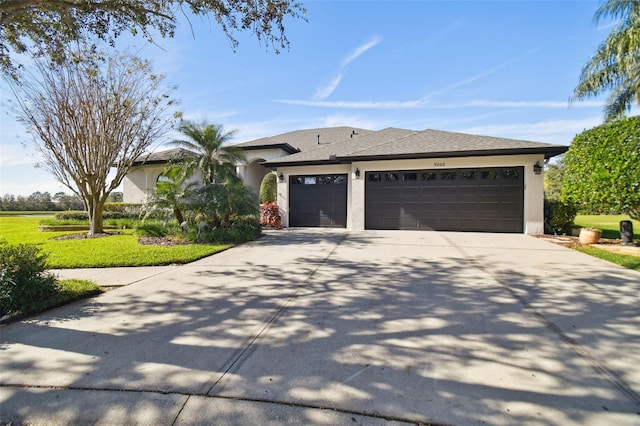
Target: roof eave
(300,163)
(547,151)
(283,146)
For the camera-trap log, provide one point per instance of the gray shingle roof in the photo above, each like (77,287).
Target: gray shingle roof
(330,153)
(161,157)
(399,143)
(303,140)
(436,142)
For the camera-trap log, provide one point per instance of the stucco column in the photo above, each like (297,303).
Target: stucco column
(283,197)
(533,198)
(355,210)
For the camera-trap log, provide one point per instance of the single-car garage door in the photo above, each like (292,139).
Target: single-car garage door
(318,200)
(487,199)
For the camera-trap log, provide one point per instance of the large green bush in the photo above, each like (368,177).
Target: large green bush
(602,169)
(24,281)
(238,229)
(269,188)
(558,216)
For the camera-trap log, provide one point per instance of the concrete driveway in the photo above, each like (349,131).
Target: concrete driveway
(334,327)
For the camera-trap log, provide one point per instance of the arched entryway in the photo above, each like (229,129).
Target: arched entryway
(253,173)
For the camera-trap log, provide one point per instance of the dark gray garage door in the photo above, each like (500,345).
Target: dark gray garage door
(488,199)
(318,200)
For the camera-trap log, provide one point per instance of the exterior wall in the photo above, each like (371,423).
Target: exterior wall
(283,187)
(533,184)
(140,180)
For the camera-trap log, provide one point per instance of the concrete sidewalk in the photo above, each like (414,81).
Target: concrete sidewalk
(331,327)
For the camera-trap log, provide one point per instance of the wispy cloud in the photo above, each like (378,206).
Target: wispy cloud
(554,131)
(355,104)
(483,74)
(427,104)
(323,92)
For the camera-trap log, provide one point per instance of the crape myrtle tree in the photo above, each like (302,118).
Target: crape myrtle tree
(45,27)
(90,115)
(601,168)
(615,66)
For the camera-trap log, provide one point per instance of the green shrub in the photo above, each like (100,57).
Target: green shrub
(269,188)
(128,209)
(558,216)
(24,282)
(152,229)
(123,223)
(239,229)
(84,216)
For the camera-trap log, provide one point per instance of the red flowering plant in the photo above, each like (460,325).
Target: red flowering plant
(270,215)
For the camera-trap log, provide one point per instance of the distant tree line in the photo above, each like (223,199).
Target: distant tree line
(44,201)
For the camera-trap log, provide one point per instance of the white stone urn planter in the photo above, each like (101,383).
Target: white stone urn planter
(590,235)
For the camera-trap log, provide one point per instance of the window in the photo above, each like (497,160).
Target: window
(309,180)
(489,175)
(391,177)
(297,180)
(510,173)
(470,174)
(447,175)
(429,176)
(374,177)
(410,176)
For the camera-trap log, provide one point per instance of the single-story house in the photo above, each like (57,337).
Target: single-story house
(395,179)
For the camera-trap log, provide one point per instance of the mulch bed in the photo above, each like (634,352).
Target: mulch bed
(85,236)
(147,241)
(571,241)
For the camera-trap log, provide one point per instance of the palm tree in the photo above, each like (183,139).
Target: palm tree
(215,161)
(615,66)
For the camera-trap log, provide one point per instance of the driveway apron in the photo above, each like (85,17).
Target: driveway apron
(332,327)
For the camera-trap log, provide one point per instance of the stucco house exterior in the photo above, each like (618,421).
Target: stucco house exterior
(393,179)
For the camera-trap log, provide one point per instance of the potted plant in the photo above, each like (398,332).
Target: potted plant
(590,235)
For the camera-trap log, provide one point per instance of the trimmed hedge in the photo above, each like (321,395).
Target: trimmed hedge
(602,171)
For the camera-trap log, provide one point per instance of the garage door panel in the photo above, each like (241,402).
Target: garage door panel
(488,199)
(318,200)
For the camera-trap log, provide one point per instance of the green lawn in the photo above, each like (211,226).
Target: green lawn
(610,224)
(115,250)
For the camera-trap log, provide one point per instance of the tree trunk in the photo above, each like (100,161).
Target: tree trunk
(178,214)
(96,225)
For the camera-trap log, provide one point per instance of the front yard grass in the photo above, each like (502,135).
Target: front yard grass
(610,224)
(628,261)
(116,250)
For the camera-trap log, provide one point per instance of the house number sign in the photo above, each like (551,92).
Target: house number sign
(439,164)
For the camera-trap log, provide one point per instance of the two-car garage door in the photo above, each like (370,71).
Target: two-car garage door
(479,199)
(487,199)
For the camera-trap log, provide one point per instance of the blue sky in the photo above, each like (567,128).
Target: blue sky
(498,68)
